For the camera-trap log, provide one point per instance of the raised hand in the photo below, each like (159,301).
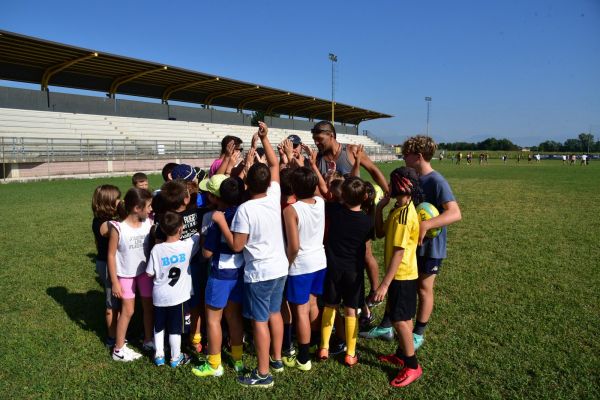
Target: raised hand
(263,130)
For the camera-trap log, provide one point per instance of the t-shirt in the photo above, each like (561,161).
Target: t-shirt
(169,263)
(101,241)
(214,167)
(347,237)
(225,263)
(402,230)
(437,192)
(311,228)
(133,248)
(264,252)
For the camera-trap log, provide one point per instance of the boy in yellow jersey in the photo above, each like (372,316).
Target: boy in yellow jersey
(401,231)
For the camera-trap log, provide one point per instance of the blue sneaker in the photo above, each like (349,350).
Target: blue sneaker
(159,361)
(182,360)
(418,341)
(255,380)
(276,365)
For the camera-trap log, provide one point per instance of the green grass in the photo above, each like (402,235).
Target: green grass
(517,302)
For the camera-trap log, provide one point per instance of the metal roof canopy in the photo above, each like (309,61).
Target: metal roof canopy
(33,60)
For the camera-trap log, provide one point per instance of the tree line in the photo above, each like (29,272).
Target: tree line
(583,143)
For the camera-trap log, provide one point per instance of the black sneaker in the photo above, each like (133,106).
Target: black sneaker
(336,348)
(255,380)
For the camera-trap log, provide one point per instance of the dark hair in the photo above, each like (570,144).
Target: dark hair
(285,180)
(138,177)
(323,126)
(104,201)
(193,189)
(167,169)
(173,194)
(135,197)
(405,181)
(353,191)
(225,141)
(369,203)
(230,192)
(335,187)
(259,178)
(170,222)
(304,183)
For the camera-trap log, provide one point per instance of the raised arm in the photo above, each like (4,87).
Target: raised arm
(357,152)
(372,169)
(263,130)
(379,224)
(312,157)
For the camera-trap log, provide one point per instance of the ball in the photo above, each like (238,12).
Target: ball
(378,193)
(427,211)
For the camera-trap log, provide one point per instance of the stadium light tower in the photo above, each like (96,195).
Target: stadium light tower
(428,100)
(333,59)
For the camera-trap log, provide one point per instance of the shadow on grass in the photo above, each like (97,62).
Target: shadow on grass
(92,257)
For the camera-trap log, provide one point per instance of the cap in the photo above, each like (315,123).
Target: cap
(213,184)
(183,171)
(295,139)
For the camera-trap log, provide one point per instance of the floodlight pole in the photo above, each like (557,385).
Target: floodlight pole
(333,59)
(428,100)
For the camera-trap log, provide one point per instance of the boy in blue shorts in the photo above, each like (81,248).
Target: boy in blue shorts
(417,152)
(224,287)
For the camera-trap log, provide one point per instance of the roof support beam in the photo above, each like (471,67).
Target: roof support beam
(128,78)
(209,99)
(182,86)
(53,70)
(289,103)
(249,100)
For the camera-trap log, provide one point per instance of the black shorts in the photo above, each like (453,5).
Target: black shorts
(344,286)
(428,265)
(176,319)
(402,300)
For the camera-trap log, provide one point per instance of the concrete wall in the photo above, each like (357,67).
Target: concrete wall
(63,102)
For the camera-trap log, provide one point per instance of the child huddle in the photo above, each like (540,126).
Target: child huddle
(275,243)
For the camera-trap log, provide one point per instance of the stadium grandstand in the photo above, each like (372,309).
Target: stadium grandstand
(44,133)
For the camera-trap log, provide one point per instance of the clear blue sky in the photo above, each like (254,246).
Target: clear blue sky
(527,70)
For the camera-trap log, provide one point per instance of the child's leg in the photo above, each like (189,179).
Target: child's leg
(127,308)
(276,331)
(351,330)
(302,317)
(215,335)
(159,343)
(111,322)
(371,266)
(144,283)
(175,344)
(233,315)
(327,321)
(262,342)
(404,329)
(286,315)
(195,336)
(425,292)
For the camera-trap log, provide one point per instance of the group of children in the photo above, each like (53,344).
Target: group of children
(277,244)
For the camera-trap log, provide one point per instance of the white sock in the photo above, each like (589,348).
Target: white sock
(175,344)
(159,343)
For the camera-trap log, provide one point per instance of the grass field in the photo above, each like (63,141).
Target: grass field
(517,309)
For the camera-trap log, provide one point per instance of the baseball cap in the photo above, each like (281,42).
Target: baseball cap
(295,139)
(183,171)
(213,184)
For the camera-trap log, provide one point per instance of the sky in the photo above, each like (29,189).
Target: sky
(526,70)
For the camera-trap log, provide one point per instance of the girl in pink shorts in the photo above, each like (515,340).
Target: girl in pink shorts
(128,249)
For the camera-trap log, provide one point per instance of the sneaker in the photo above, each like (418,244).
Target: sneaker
(183,359)
(365,321)
(206,370)
(159,361)
(378,333)
(391,359)
(276,365)
(406,376)
(255,380)
(322,354)
(239,367)
(289,352)
(351,361)
(337,348)
(125,354)
(292,362)
(149,347)
(418,341)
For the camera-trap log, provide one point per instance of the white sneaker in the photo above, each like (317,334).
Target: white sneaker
(125,354)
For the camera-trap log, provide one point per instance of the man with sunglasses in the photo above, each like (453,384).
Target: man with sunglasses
(335,156)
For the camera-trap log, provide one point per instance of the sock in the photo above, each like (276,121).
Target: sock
(287,336)
(386,322)
(327,326)
(315,338)
(237,352)
(419,328)
(303,353)
(351,335)
(214,360)
(159,343)
(411,362)
(175,344)
(195,338)
(400,353)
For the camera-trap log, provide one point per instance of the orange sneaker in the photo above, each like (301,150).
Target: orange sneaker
(391,359)
(351,361)
(322,354)
(406,376)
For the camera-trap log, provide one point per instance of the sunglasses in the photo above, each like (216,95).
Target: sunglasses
(318,131)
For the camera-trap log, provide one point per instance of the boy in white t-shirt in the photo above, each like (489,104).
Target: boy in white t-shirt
(257,230)
(169,265)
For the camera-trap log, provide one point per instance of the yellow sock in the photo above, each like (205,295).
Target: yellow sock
(351,335)
(214,360)
(327,326)
(196,338)
(236,352)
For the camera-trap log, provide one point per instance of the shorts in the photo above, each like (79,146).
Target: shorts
(220,291)
(402,300)
(143,282)
(261,299)
(176,319)
(344,286)
(429,266)
(300,287)
(199,270)
(111,302)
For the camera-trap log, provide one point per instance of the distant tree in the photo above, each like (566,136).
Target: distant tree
(257,116)
(550,145)
(571,145)
(587,141)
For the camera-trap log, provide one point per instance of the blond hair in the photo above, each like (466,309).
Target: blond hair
(420,144)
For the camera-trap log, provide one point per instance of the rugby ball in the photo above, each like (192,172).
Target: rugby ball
(378,193)
(427,211)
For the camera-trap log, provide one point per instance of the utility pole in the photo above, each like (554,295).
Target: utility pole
(333,59)
(428,100)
